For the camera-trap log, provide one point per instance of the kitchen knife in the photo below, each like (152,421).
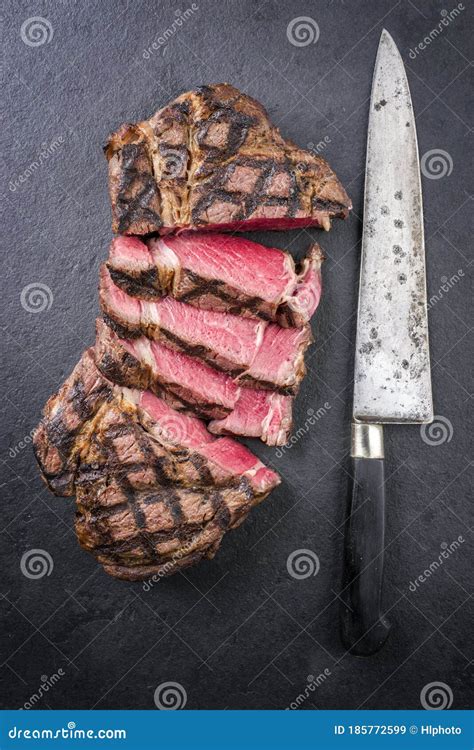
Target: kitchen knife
(392,382)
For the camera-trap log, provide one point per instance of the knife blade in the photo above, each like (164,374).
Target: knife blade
(392,380)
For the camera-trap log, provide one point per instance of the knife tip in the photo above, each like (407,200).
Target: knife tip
(387,38)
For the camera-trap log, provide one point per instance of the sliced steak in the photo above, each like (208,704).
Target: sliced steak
(220,272)
(212,160)
(191,386)
(67,417)
(122,428)
(262,354)
(260,414)
(182,381)
(155,490)
(158,532)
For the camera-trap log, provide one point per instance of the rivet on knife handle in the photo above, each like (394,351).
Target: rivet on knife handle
(364,630)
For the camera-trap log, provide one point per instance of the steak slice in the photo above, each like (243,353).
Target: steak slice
(122,431)
(157,532)
(220,272)
(260,414)
(66,418)
(193,387)
(264,355)
(211,159)
(182,381)
(155,491)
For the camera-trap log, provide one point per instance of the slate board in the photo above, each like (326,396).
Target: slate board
(237,632)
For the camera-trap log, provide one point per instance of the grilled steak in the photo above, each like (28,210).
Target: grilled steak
(262,354)
(157,533)
(260,414)
(155,491)
(212,160)
(191,386)
(220,272)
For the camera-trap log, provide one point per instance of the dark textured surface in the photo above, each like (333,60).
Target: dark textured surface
(239,631)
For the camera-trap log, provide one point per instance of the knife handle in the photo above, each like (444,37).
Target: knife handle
(363,629)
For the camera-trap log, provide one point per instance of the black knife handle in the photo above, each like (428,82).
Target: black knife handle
(363,628)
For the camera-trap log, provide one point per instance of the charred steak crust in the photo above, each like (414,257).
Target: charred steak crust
(65,416)
(143,504)
(212,158)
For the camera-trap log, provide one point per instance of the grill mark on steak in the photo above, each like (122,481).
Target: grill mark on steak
(135,286)
(131,210)
(267,169)
(219,127)
(200,269)
(121,498)
(128,490)
(120,330)
(212,337)
(215,287)
(198,351)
